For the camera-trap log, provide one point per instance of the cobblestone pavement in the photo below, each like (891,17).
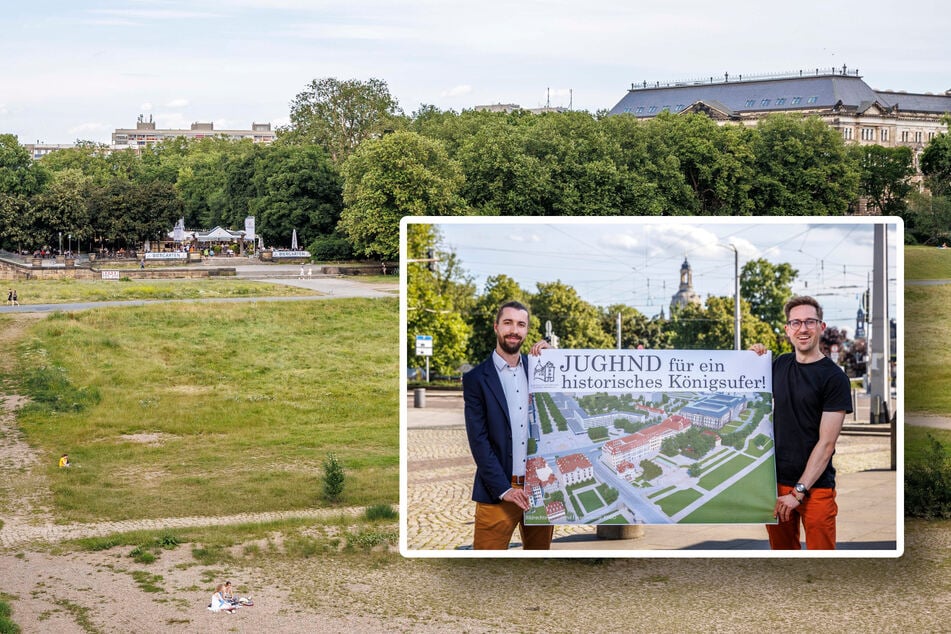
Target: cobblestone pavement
(439,468)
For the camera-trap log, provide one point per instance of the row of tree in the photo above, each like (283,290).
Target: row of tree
(351,164)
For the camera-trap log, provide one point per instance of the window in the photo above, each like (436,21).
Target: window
(847,134)
(883,134)
(680,107)
(750,103)
(764,102)
(868,134)
(904,136)
(640,109)
(796,100)
(780,101)
(812,100)
(918,137)
(930,136)
(652,110)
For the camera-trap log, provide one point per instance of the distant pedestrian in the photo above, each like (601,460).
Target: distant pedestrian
(310,272)
(10,296)
(14,299)
(301,271)
(64,461)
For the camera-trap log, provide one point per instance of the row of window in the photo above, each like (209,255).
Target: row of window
(780,101)
(868,134)
(750,103)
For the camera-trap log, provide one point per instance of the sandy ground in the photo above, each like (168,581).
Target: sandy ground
(53,590)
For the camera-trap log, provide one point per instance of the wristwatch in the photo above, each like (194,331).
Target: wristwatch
(800,488)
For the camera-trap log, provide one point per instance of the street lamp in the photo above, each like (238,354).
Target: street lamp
(736,295)
(60,242)
(69,243)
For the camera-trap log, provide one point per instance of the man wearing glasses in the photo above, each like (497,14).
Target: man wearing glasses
(811,396)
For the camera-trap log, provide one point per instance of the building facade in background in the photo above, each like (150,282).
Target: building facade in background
(145,133)
(839,97)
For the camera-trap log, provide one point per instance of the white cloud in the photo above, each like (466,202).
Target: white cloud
(457,91)
(177,103)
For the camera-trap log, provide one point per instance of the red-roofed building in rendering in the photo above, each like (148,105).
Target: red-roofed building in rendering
(574,468)
(641,444)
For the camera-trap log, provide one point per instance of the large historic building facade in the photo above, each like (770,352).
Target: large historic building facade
(838,96)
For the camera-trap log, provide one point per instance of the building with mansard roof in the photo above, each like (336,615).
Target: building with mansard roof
(838,96)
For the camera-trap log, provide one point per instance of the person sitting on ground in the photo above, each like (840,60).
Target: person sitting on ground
(64,461)
(218,601)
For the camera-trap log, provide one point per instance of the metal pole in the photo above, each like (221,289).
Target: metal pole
(736,298)
(619,331)
(878,337)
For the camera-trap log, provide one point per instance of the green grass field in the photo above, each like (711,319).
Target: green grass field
(676,502)
(723,472)
(72,291)
(750,501)
(927,263)
(211,409)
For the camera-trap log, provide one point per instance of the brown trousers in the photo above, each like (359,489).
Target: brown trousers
(817,514)
(495,524)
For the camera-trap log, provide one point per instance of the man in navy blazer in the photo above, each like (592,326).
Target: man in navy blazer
(496,410)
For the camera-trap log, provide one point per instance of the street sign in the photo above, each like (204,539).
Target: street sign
(424,345)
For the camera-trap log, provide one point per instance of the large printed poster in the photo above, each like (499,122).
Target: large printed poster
(650,437)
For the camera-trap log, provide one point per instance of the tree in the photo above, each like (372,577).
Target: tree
(19,175)
(715,161)
(339,115)
(63,206)
(296,187)
(767,287)
(936,164)
(334,478)
(927,218)
(885,175)
(429,312)
(802,168)
(636,328)
(712,328)
(401,174)
(574,321)
(15,222)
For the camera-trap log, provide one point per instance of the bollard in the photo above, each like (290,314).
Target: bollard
(620,531)
(419,397)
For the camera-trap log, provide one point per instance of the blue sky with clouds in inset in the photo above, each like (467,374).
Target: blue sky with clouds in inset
(636,261)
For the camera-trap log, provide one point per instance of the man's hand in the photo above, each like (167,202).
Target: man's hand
(517,497)
(758,348)
(785,505)
(538,347)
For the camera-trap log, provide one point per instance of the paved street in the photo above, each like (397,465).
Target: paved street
(439,507)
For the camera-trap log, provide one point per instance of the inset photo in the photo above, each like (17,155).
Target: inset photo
(651,387)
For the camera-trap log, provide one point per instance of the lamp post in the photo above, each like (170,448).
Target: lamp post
(69,243)
(736,295)
(60,242)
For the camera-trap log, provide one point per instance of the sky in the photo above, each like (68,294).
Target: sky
(636,262)
(79,69)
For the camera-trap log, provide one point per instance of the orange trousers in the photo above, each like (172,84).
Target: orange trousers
(816,513)
(495,524)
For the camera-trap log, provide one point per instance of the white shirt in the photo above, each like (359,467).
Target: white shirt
(515,385)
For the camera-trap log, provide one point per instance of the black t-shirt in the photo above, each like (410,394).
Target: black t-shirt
(801,393)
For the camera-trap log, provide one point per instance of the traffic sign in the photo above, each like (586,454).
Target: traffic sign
(424,345)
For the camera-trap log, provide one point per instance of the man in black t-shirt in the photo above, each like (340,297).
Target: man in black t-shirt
(811,396)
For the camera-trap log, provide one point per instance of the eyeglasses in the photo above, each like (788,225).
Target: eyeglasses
(796,324)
